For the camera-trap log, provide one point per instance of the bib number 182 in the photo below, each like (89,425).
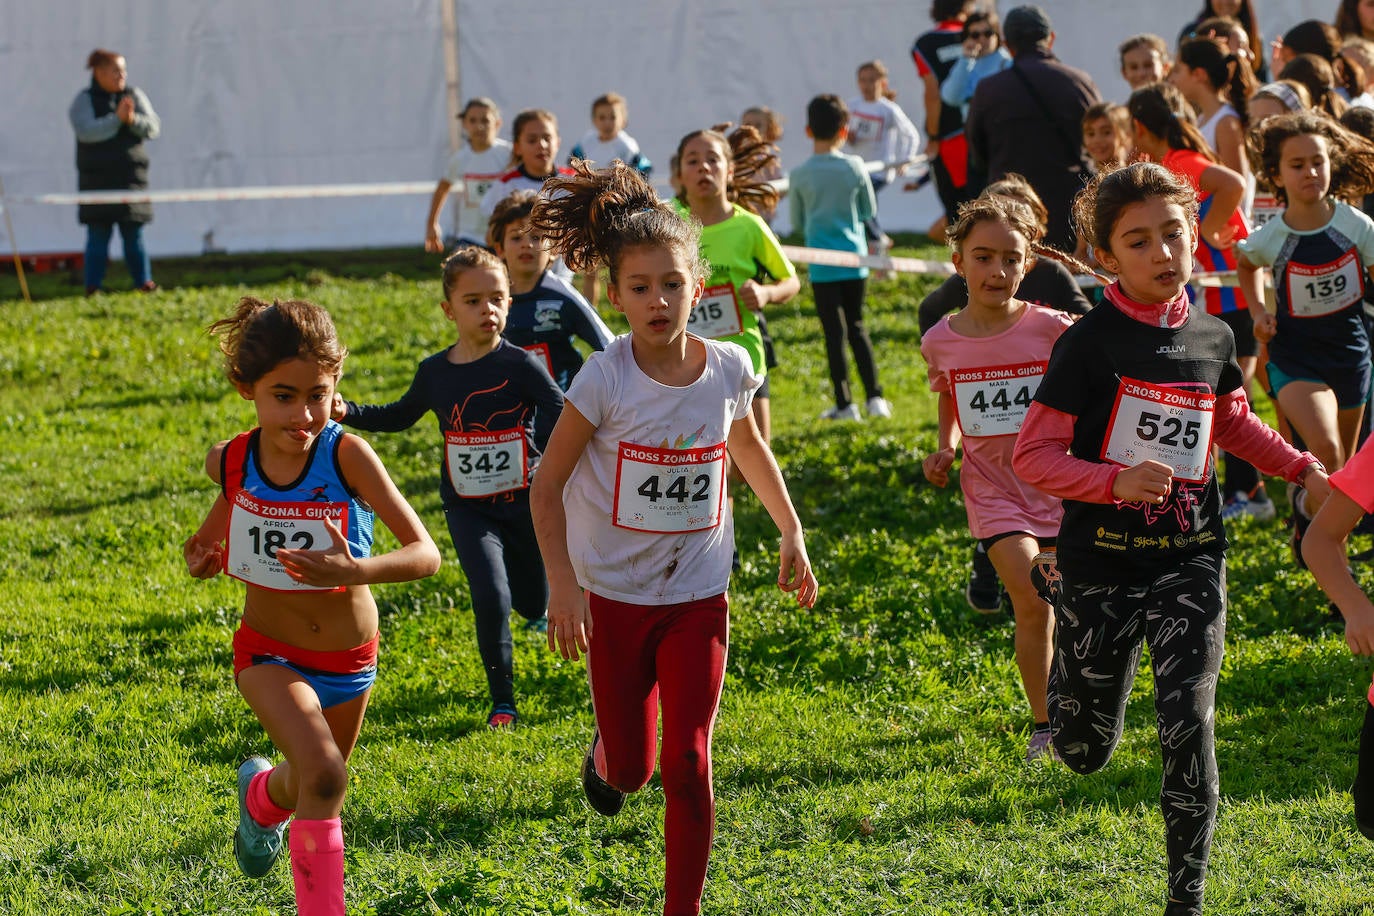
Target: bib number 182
(270,541)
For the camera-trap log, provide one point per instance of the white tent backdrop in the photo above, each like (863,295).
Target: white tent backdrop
(312,92)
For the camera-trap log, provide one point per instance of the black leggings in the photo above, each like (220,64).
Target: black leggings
(1097,644)
(840,305)
(500,557)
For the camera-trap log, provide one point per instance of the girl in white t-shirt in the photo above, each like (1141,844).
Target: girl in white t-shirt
(629,505)
(479,163)
(879,131)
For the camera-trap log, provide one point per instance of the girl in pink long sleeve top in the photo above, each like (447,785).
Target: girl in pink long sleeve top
(1122,429)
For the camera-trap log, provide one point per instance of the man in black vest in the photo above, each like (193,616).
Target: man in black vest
(111,120)
(1026,119)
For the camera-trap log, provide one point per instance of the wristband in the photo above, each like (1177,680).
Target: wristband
(1314,466)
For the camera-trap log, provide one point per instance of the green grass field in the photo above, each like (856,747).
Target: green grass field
(868,754)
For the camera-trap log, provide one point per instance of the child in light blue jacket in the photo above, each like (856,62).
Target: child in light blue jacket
(983,56)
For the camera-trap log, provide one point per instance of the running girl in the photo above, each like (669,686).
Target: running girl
(495,404)
(879,131)
(1217,85)
(481,161)
(1320,252)
(629,505)
(546,312)
(533,157)
(985,363)
(294,522)
(748,268)
(1122,429)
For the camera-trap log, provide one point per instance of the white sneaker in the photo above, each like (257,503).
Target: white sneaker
(850,412)
(879,408)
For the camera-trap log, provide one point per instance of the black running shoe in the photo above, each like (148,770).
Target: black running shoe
(984,589)
(1300,523)
(602,796)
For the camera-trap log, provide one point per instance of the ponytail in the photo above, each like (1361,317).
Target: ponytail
(1161,109)
(594,217)
(1316,74)
(1225,71)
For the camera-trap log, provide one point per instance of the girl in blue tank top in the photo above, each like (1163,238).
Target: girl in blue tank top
(294,522)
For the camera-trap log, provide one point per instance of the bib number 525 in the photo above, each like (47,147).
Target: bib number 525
(1170,431)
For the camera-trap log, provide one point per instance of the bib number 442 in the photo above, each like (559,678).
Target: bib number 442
(677,489)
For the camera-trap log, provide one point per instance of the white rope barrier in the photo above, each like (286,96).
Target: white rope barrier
(797,254)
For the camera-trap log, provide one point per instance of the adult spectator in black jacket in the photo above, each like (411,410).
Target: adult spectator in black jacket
(111,120)
(1026,119)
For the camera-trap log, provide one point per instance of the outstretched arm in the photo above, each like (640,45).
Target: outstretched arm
(416,558)
(752,456)
(937,464)
(570,624)
(1323,547)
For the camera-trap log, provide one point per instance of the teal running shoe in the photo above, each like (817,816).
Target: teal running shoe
(256,847)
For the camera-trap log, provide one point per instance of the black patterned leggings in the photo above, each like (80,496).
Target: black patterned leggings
(1097,644)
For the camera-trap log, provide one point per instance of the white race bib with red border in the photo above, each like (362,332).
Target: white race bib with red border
(669,490)
(257,530)
(865,128)
(541,350)
(476,186)
(1264,208)
(1169,425)
(1317,290)
(717,313)
(993,400)
(485,464)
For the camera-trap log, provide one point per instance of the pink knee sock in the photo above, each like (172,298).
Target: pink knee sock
(317,865)
(260,805)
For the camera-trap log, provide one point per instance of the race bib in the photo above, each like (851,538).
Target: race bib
(1264,208)
(716,313)
(865,128)
(475,187)
(541,350)
(993,401)
(257,530)
(1168,425)
(669,490)
(485,464)
(1316,290)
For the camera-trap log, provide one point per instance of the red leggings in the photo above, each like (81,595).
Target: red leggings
(641,656)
